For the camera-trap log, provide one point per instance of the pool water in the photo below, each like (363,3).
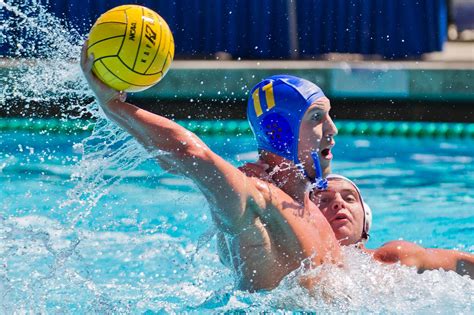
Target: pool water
(109,232)
(90,224)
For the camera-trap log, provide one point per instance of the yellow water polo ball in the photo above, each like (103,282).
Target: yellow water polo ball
(133,48)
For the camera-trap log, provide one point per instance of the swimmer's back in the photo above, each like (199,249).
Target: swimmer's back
(282,233)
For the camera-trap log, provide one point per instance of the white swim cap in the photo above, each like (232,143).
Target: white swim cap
(366,208)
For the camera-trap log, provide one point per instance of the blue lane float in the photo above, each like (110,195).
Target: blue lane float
(241,127)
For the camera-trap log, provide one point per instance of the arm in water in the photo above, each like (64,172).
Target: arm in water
(412,255)
(183,152)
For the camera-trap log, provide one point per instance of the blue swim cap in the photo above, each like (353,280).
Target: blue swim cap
(275,109)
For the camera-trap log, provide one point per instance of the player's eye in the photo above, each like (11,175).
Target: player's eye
(316,117)
(323,198)
(351,198)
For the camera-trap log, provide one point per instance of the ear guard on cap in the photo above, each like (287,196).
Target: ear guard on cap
(319,182)
(275,109)
(367,219)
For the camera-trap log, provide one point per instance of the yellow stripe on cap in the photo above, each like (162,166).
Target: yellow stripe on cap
(256,103)
(268,89)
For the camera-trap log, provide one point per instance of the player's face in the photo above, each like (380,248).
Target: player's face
(317,133)
(342,207)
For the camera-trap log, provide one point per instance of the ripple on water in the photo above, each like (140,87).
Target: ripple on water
(49,266)
(143,272)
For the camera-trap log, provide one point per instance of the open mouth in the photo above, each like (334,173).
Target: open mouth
(340,217)
(327,154)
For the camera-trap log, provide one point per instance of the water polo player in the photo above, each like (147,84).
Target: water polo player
(350,218)
(267,228)
(344,208)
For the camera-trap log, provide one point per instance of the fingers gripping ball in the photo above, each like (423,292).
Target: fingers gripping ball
(133,48)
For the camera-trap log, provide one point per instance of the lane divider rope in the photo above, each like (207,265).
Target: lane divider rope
(240,127)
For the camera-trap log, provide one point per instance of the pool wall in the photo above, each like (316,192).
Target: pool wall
(408,90)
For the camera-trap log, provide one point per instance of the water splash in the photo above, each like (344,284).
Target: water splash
(41,66)
(41,75)
(55,267)
(362,286)
(48,266)
(63,276)
(44,69)
(107,148)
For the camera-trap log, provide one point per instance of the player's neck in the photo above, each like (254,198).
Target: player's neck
(286,176)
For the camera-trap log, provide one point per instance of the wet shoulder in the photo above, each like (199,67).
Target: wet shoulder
(274,197)
(398,251)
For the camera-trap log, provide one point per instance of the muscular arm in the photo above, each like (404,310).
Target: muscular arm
(410,254)
(180,150)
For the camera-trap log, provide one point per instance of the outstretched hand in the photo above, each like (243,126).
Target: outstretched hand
(105,94)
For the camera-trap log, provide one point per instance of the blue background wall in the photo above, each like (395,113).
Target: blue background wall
(259,28)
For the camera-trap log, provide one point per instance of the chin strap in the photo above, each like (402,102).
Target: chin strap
(319,182)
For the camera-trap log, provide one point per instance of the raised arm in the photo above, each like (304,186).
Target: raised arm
(180,151)
(413,255)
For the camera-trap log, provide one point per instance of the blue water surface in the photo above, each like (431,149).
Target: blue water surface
(146,244)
